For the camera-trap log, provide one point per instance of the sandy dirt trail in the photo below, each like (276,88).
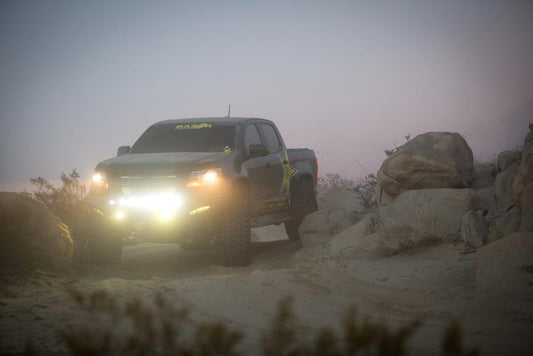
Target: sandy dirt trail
(434,284)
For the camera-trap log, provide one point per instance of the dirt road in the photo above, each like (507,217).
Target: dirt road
(434,284)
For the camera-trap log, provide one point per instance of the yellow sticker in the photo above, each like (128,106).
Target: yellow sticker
(203,125)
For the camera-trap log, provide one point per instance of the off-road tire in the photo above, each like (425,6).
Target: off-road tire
(300,203)
(236,245)
(104,240)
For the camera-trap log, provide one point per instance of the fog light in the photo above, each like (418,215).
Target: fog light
(166,215)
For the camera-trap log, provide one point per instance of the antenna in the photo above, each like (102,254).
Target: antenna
(229,110)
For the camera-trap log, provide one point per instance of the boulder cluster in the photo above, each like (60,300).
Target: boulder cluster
(431,186)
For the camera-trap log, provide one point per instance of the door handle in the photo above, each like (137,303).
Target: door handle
(268,165)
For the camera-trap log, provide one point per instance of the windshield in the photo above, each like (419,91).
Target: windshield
(186,137)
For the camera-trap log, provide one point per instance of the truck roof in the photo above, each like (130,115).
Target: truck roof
(237,120)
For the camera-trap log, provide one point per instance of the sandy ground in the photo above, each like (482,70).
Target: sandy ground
(435,284)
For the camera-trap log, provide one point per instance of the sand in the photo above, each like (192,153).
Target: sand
(434,283)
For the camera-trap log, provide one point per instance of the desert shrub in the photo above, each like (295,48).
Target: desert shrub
(364,187)
(365,190)
(69,203)
(135,328)
(390,151)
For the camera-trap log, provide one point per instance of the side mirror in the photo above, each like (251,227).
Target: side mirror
(122,150)
(257,150)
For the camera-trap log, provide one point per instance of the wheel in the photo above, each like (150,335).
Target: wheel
(300,203)
(236,243)
(104,240)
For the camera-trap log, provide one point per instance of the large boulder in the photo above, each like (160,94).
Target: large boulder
(524,174)
(30,236)
(507,222)
(436,213)
(338,211)
(503,187)
(506,158)
(430,160)
(527,208)
(504,271)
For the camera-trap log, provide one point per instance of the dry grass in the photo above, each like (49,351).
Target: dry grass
(135,328)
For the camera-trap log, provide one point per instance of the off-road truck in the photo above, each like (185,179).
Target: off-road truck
(201,182)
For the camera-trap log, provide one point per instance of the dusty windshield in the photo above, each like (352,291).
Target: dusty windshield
(186,137)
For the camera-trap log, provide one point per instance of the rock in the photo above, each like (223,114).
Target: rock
(486,199)
(338,211)
(346,240)
(484,175)
(509,222)
(503,187)
(527,208)
(382,198)
(431,212)
(30,236)
(504,271)
(506,158)
(524,174)
(430,160)
(504,223)
(474,229)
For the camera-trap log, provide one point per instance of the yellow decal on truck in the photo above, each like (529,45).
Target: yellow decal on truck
(203,125)
(288,172)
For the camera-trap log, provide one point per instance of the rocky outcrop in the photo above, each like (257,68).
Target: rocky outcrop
(524,174)
(430,160)
(527,208)
(507,158)
(484,175)
(474,229)
(30,236)
(434,213)
(503,187)
(504,268)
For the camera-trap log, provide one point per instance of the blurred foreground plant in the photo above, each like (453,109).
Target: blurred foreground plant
(134,328)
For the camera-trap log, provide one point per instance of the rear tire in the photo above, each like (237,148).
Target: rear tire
(300,203)
(104,244)
(236,231)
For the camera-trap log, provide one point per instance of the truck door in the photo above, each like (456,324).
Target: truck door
(264,174)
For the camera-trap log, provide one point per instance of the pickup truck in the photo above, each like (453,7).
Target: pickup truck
(201,182)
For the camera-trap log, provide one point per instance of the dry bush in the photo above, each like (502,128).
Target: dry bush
(69,203)
(364,187)
(135,328)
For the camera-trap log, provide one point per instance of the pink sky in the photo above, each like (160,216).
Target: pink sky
(346,78)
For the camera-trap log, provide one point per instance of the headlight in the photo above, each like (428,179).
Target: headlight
(208,177)
(99,180)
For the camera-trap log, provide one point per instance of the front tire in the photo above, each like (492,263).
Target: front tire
(301,201)
(236,231)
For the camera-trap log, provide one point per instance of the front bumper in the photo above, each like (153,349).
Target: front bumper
(171,216)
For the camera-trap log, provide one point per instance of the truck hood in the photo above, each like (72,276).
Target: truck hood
(154,164)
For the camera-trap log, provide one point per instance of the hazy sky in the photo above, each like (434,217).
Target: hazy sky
(346,78)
